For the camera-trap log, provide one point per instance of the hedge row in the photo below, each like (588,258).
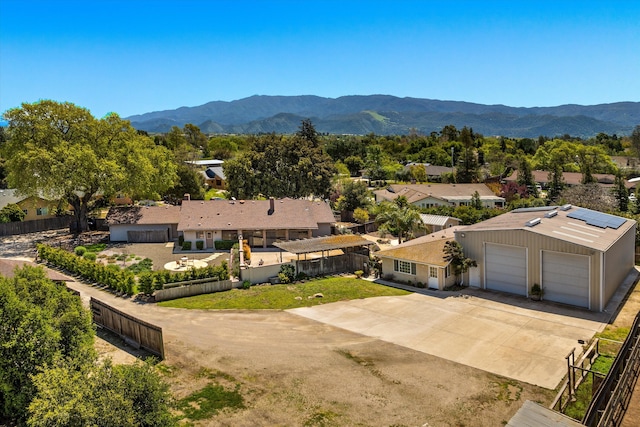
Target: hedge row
(124,280)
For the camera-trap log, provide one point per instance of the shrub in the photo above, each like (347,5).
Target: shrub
(283,278)
(91,256)
(80,250)
(246,284)
(186,246)
(302,276)
(180,240)
(358,273)
(224,245)
(145,283)
(199,245)
(288,271)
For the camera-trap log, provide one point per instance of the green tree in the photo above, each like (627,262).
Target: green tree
(635,140)
(399,218)
(100,394)
(355,164)
(61,151)
(41,323)
(278,166)
(354,195)
(418,172)
(468,169)
(525,177)
(621,193)
(360,215)
(556,182)
(11,213)
(454,254)
(190,181)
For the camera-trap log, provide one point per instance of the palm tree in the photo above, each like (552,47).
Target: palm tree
(399,218)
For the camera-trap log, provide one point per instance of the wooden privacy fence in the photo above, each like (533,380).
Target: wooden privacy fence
(612,399)
(34,226)
(190,288)
(134,331)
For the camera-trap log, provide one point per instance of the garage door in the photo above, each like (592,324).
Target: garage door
(147,236)
(506,268)
(565,278)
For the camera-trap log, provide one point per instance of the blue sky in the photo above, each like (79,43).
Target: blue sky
(137,56)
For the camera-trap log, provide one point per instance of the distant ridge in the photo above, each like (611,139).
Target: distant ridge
(386,114)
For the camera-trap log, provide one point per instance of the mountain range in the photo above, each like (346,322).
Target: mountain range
(389,115)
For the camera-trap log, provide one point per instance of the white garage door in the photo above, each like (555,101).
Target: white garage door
(565,278)
(506,268)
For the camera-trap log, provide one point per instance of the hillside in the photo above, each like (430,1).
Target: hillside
(385,114)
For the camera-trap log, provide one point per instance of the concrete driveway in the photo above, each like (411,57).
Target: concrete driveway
(517,342)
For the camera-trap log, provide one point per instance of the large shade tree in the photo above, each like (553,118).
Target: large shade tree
(60,151)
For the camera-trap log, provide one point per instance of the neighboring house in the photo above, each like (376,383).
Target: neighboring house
(420,261)
(432,195)
(570,179)
(214,177)
(207,163)
(578,256)
(33,207)
(8,267)
(143,224)
(260,222)
(439,222)
(434,173)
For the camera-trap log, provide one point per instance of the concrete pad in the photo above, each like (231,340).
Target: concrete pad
(513,341)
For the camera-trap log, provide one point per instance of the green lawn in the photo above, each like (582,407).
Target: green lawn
(281,297)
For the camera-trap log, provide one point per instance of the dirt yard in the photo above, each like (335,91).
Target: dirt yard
(292,371)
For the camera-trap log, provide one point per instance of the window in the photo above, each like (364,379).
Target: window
(433,272)
(42,211)
(447,271)
(404,267)
(199,234)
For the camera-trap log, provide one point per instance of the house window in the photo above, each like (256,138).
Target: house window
(42,211)
(447,271)
(433,272)
(404,267)
(199,234)
(229,235)
(218,182)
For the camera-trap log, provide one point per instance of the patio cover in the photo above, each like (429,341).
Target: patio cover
(321,244)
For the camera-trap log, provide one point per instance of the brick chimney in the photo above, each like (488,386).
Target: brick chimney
(272,206)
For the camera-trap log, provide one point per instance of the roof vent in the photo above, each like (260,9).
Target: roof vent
(533,222)
(566,207)
(551,214)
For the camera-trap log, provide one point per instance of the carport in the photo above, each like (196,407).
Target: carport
(354,256)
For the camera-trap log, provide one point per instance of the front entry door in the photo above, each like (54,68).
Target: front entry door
(209,239)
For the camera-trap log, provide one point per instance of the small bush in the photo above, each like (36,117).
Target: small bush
(358,273)
(283,278)
(224,245)
(180,240)
(186,246)
(302,276)
(288,271)
(421,285)
(246,284)
(199,245)
(91,256)
(80,250)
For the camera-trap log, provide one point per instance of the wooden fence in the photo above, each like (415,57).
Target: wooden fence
(190,288)
(611,400)
(134,331)
(34,226)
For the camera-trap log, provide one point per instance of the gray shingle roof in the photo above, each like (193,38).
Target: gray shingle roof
(252,214)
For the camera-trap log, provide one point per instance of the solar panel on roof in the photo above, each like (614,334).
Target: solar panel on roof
(597,219)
